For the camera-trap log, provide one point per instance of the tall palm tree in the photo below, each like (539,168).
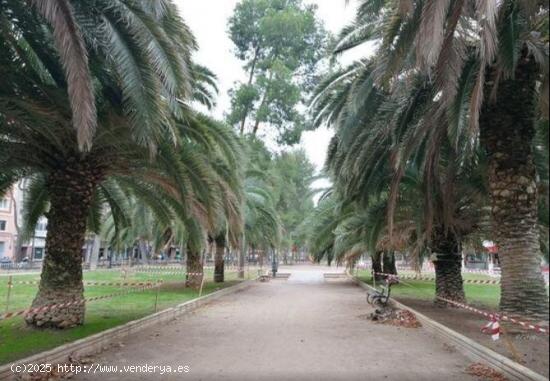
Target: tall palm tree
(130,35)
(229,226)
(488,62)
(262,222)
(217,152)
(221,155)
(137,51)
(378,155)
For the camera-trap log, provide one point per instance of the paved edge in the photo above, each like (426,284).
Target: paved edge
(100,341)
(470,348)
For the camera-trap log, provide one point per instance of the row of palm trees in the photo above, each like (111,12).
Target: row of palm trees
(442,139)
(97,112)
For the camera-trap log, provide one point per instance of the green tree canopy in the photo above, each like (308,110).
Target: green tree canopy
(280,43)
(292,174)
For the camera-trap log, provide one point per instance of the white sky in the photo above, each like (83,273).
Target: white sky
(208,21)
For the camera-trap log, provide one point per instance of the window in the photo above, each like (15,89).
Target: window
(38,252)
(42,226)
(2,225)
(2,249)
(4,204)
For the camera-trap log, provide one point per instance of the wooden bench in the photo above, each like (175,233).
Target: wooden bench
(263,276)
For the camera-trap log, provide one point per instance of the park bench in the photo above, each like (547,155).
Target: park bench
(380,298)
(263,276)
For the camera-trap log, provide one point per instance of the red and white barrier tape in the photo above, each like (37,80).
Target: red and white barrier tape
(161,268)
(118,284)
(194,274)
(114,284)
(49,307)
(498,317)
(164,271)
(493,327)
(225,272)
(23,282)
(464,271)
(432,279)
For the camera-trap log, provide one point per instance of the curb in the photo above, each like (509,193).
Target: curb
(472,349)
(97,342)
(335,275)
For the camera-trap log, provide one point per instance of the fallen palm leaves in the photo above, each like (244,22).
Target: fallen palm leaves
(404,318)
(397,318)
(485,373)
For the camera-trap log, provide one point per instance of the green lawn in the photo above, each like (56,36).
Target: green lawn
(484,295)
(18,341)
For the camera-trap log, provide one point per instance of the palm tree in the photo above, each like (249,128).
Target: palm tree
(227,163)
(488,62)
(71,48)
(378,162)
(142,230)
(137,51)
(211,152)
(221,156)
(262,222)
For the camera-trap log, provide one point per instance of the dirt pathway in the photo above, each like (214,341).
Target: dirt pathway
(302,329)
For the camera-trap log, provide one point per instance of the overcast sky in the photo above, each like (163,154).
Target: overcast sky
(208,21)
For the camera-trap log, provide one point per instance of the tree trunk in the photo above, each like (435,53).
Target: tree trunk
(194,269)
(143,250)
(388,263)
(183,254)
(219,263)
(377,266)
(94,256)
(242,253)
(261,259)
(507,130)
(250,79)
(262,104)
(71,193)
(446,250)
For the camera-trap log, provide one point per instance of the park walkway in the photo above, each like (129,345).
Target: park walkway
(302,329)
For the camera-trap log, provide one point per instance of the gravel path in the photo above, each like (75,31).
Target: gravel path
(302,329)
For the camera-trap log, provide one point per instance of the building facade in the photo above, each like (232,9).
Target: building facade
(11,221)
(8,230)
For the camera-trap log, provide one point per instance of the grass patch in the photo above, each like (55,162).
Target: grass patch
(484,295)
(18,341)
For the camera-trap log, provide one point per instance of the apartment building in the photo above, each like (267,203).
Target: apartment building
(11,218)
(8,230)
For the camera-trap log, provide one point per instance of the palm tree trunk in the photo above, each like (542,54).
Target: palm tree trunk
(242,253)
(219,264)
(507,129)
(94,256)
(388,263)
(61,278)
(377,266)
(261,259)
(194,269)
(446,249)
